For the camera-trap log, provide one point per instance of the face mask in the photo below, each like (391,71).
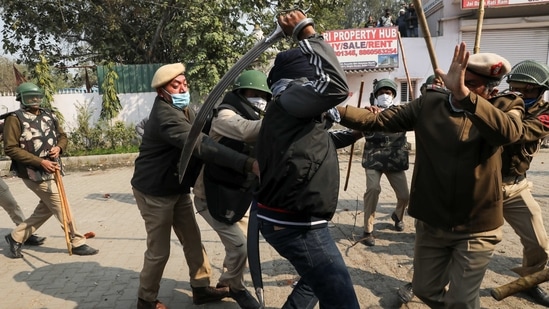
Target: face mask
(181,100)
(258,102)
(529,102)
(384,100)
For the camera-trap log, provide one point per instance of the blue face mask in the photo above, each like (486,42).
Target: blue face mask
(529,102)
(181,100)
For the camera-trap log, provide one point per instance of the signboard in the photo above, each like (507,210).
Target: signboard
(473,4)
(365,48)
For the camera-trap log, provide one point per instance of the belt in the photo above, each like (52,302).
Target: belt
(511,180)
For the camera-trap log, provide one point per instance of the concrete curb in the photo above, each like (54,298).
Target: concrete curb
(86,163)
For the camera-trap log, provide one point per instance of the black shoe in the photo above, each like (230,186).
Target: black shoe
(539,295)
(143,304)
(84,250)
(15,247)
(222,286)
(399,224)
(34,240)
(244,299)
(368,239)
(405,293)
(208,294)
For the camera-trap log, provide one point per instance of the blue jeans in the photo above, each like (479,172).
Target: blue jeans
(324,275)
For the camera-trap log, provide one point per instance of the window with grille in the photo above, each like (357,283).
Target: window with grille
(405,95)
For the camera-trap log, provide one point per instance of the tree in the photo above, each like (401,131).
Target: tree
(110,106)
(44,80)
(209,36)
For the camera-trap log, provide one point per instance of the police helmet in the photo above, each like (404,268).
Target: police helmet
(29,95)
(252,79)
(386,83)
(530,72)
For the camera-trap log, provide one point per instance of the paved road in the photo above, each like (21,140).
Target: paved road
(102,202)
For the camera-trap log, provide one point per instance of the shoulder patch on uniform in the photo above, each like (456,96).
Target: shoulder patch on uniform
(436,88)
(507,94)
(544,118)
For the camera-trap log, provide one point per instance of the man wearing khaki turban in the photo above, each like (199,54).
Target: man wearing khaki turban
(164,202)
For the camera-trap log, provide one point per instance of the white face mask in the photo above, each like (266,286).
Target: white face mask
(384,100)
(258,102)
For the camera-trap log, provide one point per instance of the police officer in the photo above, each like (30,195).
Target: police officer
(33,139)
(455,196)
(521,211)
(430,83)
(164,202)
(223,197)
(384,153)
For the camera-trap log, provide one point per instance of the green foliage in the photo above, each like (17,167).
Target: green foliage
(101,138)
(209,36)
(110,106)
(44,80)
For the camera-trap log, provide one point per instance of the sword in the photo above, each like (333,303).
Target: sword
(253,254)
(200,121)
(217,92)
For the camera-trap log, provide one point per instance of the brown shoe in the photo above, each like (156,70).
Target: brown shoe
(143,304)
(208,294)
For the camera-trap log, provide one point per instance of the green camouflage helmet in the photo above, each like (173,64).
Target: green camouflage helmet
(252,79)
(530,72)
(386,83)
(29,95)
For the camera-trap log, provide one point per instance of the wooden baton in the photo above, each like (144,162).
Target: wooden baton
(476,48)
(65,210)
(520,284)
(426,33)
(410,88)
(353,144)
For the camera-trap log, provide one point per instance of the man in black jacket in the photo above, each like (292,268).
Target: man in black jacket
(299,168)
(165,203)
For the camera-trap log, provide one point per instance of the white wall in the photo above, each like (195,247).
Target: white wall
(134,106)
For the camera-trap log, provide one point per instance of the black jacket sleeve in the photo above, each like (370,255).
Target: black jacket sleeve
(327,90)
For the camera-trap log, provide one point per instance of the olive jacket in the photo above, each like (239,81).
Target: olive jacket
(456,182)
(13,138)
(516,158)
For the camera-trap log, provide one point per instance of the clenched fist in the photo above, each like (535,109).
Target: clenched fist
(290,20)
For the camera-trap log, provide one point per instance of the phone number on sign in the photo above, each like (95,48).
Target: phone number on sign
(383,51)
(344,53)
(353,52)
